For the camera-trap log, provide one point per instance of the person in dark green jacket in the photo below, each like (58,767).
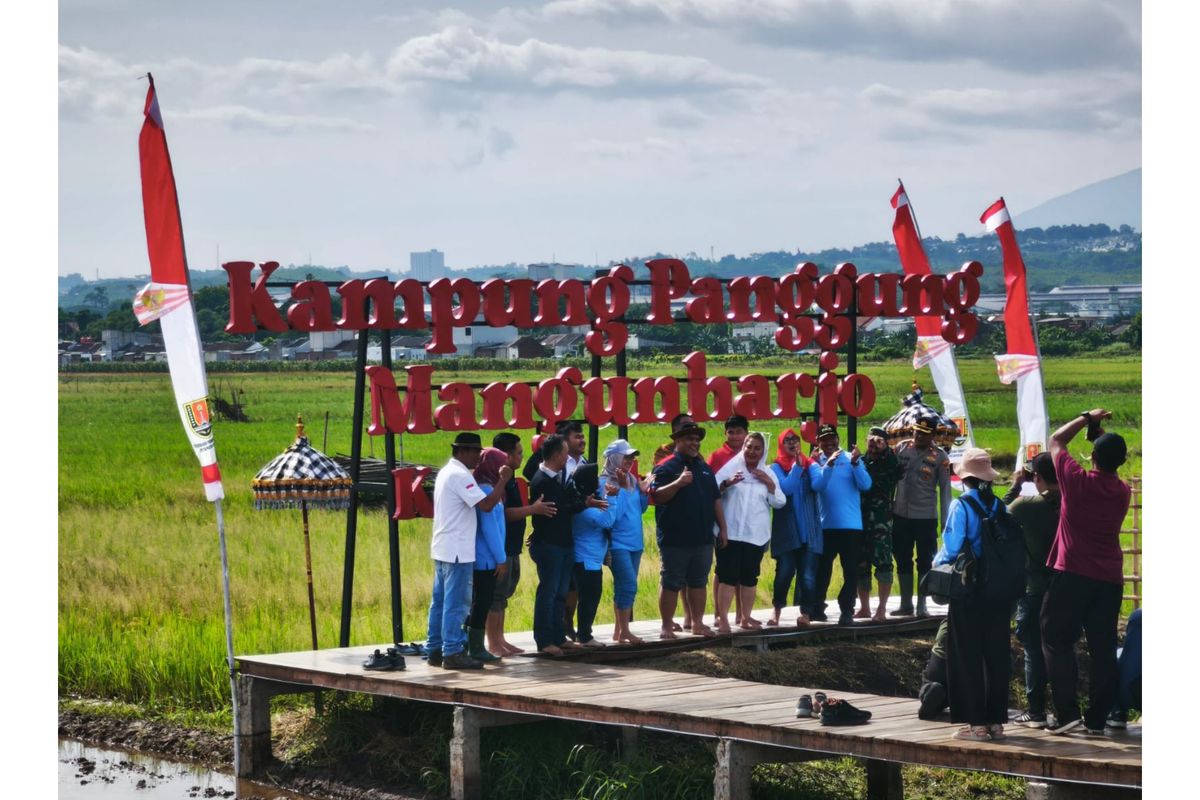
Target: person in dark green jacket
(884,469)
(1038,517)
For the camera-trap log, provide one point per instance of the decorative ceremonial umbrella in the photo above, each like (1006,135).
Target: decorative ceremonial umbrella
(303,477)
(900,426)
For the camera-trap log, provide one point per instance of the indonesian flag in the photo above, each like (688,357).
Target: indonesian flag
(1022,362)
(932,350)
(167,297)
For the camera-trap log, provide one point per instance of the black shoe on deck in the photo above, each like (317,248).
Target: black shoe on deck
(379,661)
(435,658)
(839,712)
(461,661)
(846,620)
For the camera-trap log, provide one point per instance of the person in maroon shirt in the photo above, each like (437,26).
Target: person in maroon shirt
(1086,591)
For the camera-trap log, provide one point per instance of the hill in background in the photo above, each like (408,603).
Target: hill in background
(1114,201)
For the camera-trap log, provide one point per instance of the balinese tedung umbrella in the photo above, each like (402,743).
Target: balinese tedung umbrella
(900,426)
(303,477)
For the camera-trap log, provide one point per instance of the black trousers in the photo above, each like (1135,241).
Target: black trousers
(1072,602)
(843,545)
(590,583)
(906,533)
(978,662)
(483,590)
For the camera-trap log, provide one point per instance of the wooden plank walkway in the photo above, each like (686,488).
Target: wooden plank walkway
(761,639)
(753,722)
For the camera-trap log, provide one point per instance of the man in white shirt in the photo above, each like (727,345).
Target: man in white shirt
(456,495)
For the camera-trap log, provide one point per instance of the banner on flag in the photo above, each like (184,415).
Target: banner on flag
(167,298)
(932,350)
(1022,362)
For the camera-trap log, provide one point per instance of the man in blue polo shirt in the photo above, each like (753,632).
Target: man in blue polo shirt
(838,479)
(687,506)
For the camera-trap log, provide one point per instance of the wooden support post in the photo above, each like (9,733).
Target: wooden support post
(629,742)
(466,773)
(466,768)
(884,780)
(253,726)
(253,723)
(736,761)
(1052,790)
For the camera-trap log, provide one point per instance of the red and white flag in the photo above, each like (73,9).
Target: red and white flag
(932,350)
(167,297)
(1021,363)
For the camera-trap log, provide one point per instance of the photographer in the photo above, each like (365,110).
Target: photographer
(1038,517)
(1087,590)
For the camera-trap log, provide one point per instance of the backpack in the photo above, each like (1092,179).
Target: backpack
(1001,573)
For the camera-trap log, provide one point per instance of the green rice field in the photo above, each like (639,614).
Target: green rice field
(140,610)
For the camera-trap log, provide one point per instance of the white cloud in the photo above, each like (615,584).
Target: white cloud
(1109,106)
(238,117)
(458,56)
(1009,34)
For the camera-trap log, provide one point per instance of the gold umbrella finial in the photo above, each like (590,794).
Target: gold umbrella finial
(299,426)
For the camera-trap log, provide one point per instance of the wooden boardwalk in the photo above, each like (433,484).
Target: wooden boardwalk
(761,639)
(752,722)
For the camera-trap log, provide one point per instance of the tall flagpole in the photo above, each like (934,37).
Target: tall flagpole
(168,299)
(237,740)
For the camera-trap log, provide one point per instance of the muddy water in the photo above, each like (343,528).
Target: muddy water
(92,773)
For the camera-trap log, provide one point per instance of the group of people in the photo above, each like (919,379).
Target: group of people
(870,511)
(1074,580)
(731,508)
(582,517)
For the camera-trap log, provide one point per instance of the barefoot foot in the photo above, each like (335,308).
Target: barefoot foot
(667,633)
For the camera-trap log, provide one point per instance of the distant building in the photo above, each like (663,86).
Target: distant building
(552,271)
(426,265)
(1104,301)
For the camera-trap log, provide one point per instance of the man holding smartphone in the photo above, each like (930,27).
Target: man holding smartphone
(1086,591)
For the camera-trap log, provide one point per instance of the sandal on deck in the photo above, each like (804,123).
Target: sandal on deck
(973,733)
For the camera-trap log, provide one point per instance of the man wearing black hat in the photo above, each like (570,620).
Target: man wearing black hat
(1086,592)
(456,495)
(838,479)
(687,506)
(924,480)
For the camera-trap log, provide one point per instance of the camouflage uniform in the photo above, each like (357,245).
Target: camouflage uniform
(877,518)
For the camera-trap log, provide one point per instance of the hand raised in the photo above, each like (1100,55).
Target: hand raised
(505,475)
(685,478)
(611,489)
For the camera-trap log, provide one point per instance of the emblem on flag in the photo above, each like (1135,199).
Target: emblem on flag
(1013,365)
(928,348)
(156,299)
(961,424)
(198,417)
(1032,450)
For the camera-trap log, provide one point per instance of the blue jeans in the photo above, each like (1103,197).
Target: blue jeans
(1029,634)
(624,566)
(554,566)
(1129,665)
(449,607)
(799,565)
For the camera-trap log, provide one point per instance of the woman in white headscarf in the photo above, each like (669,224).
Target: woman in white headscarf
(628,539)
(748,493)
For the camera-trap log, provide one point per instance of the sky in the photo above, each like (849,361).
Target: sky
(582,131)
